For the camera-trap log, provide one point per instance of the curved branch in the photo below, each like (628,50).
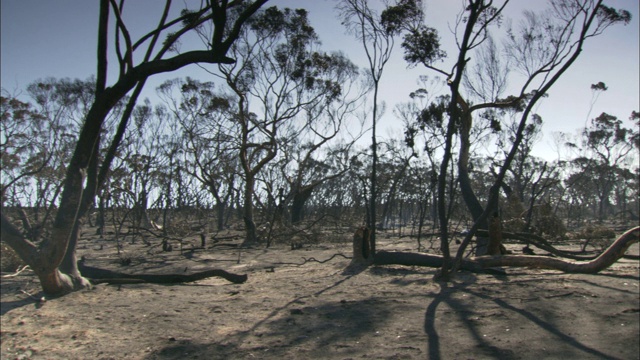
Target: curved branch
(538,242)
(103,33)
(614,252)
(484,263)
(120,26)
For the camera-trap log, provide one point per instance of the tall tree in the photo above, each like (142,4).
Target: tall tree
(315,155)
(609,144)
(280,69)
(209,132)
(54,259)
(544,53)
(542,49)
(377,33)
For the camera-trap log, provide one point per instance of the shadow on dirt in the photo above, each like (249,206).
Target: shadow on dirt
(543,324)
(6,306)
(471,307)
(326,331)
(463,312)
(402,275)
(330,329)
(17,285)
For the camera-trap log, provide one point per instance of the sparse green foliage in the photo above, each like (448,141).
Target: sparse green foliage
(404,15)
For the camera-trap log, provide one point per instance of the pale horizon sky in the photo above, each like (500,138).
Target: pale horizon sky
(41,39)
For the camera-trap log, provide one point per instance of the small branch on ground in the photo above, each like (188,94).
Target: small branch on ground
(311,259)
(20,270)
(40,299)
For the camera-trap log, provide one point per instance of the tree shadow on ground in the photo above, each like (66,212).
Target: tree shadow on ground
(24,289)
(331,330)
(477,304)
(544,324)
(6,306)
(464,314)
(316,330)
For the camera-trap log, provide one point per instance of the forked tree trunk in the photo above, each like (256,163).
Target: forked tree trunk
(54,259)
(53,279)
(297,205)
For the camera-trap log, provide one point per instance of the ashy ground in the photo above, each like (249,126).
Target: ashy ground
(293,307)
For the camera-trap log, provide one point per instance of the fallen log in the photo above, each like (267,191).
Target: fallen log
(435,261)
(482,263)
(98,275)
(543,244)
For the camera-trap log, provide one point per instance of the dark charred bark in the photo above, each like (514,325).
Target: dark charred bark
(251,236)
(495,235)
(484,263)
(58,251)
(362,254)
(97,275)
(297,205)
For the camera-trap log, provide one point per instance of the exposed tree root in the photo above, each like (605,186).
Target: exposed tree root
(483,263)
(97,275)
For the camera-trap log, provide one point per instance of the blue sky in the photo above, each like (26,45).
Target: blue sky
(57,38)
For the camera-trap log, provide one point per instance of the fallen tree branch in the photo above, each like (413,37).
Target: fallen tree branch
(41,299)
(544,244)
(97,275)
(18,271)
(311,259)
(324,261)
(482,263)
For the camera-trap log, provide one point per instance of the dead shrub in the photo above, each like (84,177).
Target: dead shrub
(597,232)
(9,260)
(547,223)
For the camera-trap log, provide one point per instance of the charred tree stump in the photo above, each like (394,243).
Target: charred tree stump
(362,247)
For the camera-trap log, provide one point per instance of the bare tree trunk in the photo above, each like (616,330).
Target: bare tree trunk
(47,259)
(297,205)
(495,235)
(220,211)
(374,172)
(101,220)
(250,226)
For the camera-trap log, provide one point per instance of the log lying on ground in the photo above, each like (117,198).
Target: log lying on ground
(534,240)
(435,261)
(543,244)
(97,275)
(481,263)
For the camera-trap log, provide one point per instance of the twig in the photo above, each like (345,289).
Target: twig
(559,295)
(311,260)
(324,261)
(20,270)
(41,299)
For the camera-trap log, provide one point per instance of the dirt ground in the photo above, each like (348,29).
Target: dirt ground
(292,309)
